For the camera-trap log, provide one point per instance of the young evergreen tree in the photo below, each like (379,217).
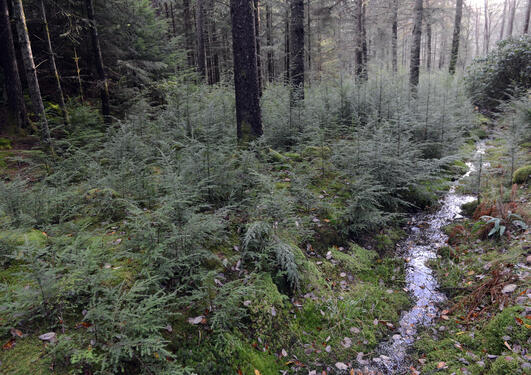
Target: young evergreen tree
(297,50)
(98,61)
(31,73)
(457,36)
(415,47)
(8,61)
(248,113)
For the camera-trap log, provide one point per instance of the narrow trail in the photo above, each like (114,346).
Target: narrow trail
(426,236)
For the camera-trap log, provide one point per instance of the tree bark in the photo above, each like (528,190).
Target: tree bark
(457,36)
(415,47)
(98,60)
(297,50)
(31,73)
(511,18)
(269,39)
(53,66)
(394,40)
(364,45)
(358,55)
(200,34)
(487,27)
(256,11)
(504,14)
(8,60)
(188,32)
(287,46)
(248,114)
(527,16)
(309,38)
(428,43)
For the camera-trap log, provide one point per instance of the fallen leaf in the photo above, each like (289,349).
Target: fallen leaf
(441,365)
(256,372)
(16,332)
(50,336)
(197,320)
(9,345)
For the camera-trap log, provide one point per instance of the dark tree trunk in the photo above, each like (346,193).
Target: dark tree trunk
(31,72)
(214,48)
(269,38)
(188,32)
(358,56)
(287,47)
(504,15)
(200,34)
(427,14)
(511,18)
(309,37)
(8,61)
(487,27)
(364,45)
(53,66)
(172,15)
(98,60)
(297,50)
(248,115)
(457,36)
(415,47)
(527,16)
(394,40)
(256,11)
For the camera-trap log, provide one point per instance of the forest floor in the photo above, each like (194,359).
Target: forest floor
(353,297)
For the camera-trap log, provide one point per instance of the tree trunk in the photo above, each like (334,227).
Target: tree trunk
(394,40)
(527,16)
(358,55)
(53,66)
(8,61)
(200,34)
(216,77)
(415,47)
(487,27)
(172,15)
(457,36)
(98,60)
(287,47)
(511,18)
(297,50)
(504,15)
(309,38)
(248,116)
(477,32)
(364,45)
(256,11)
(428,44)
(31,73)
(188,36)
(269,38)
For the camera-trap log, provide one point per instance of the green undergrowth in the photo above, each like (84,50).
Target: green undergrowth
(161,246)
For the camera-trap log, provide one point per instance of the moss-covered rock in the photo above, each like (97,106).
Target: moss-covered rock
(521,175)
(468,209)
(277,157)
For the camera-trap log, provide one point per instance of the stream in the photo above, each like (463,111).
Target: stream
(425,237)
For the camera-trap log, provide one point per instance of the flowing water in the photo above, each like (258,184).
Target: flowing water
(426,236)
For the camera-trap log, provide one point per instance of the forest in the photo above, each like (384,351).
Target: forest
(265,187)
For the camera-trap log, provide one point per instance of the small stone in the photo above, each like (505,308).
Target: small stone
(480,363)
(50,336)
(508,289)
(341,366)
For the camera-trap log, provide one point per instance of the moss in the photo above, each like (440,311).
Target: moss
(277,157)
(505,365)
(357,260)
(505,324)
(293,156)
(282,185)
(469,208)
(28,356)
(5,144)
(316,152)
(521,175)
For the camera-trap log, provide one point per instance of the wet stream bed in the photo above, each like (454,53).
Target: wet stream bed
(426,236)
